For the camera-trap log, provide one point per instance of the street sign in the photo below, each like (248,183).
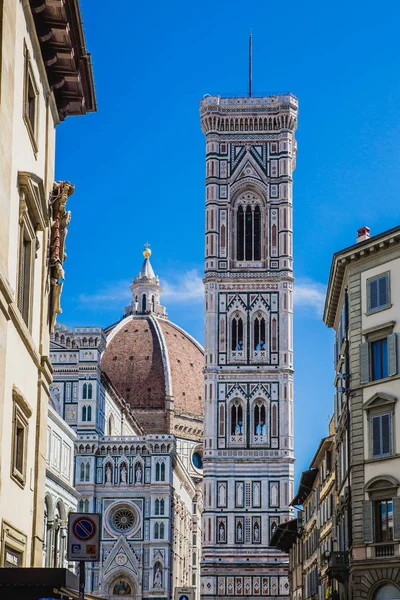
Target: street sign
(184,594)
(83,536)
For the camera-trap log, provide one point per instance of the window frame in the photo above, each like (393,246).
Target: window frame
(378,523)
(21,415)
(25,283)
(30,83)
(380,415)
(372,336)
(381,356)
(372,311)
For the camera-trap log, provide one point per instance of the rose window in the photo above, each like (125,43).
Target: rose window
(123,519)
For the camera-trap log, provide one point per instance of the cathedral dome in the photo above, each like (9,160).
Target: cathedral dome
(156,366)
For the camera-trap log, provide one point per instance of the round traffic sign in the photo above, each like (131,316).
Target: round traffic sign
(183,597)
(84,528)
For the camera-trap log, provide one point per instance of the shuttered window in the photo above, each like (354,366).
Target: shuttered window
(381,435)
(378,292)
(378,359)
(368,522)
(381,520)
(384,520)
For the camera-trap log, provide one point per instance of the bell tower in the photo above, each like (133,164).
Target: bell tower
(248,425)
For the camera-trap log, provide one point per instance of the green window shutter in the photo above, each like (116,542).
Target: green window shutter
(396,518)
(392,353)
(368,521)
(383,290)
(364,363)
(373,294)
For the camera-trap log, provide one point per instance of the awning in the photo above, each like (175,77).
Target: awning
(285,535)
(24,583)
(305,487)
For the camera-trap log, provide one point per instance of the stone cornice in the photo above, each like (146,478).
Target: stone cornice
(344,258)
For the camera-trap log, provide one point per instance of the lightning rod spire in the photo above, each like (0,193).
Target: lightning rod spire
(250,65)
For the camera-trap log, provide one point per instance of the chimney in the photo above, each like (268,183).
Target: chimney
(363,234)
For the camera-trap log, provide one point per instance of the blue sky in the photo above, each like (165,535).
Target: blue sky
(138,164)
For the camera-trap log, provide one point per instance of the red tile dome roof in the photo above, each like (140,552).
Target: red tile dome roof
(158,369)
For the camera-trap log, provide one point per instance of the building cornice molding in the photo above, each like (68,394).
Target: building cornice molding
(344,258)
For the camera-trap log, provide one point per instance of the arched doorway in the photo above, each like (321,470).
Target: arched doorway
(387,592)
(121,587)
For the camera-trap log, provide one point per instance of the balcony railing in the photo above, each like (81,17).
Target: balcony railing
(383,550)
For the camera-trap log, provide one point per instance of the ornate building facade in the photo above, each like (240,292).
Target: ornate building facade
(133,395)
(248,437)
(45,76)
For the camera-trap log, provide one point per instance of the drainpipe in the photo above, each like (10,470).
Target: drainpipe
(348,416)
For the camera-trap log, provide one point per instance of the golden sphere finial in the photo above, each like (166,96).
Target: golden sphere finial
(147,251)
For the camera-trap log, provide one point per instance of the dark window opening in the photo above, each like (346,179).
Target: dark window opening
(384,520)
(259,333)
(236,420)
(379,359)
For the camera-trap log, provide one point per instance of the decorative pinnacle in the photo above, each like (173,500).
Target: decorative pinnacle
(147,251)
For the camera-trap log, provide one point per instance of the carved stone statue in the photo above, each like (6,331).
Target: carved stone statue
(108,474)
(124,473)
(138,473)
(221,532)
(157,579)
(239,532)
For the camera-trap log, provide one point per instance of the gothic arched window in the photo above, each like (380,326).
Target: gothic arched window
(237,333)
(89,413)
(259,333)
(157,471)
(87,472)
(84,391)
(162,506)
(161,531)
(248,232)
(240,234)
(82,472)
(236,419)
(162,473)
(157,507)
(144,303)
(260,426)
(84,413)
(90,391)
(156,531)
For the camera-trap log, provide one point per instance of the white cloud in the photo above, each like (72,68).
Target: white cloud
(310,294)
(114,295)
(187,287)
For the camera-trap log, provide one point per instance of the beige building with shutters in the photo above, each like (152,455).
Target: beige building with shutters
(363,307)
(45,76)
